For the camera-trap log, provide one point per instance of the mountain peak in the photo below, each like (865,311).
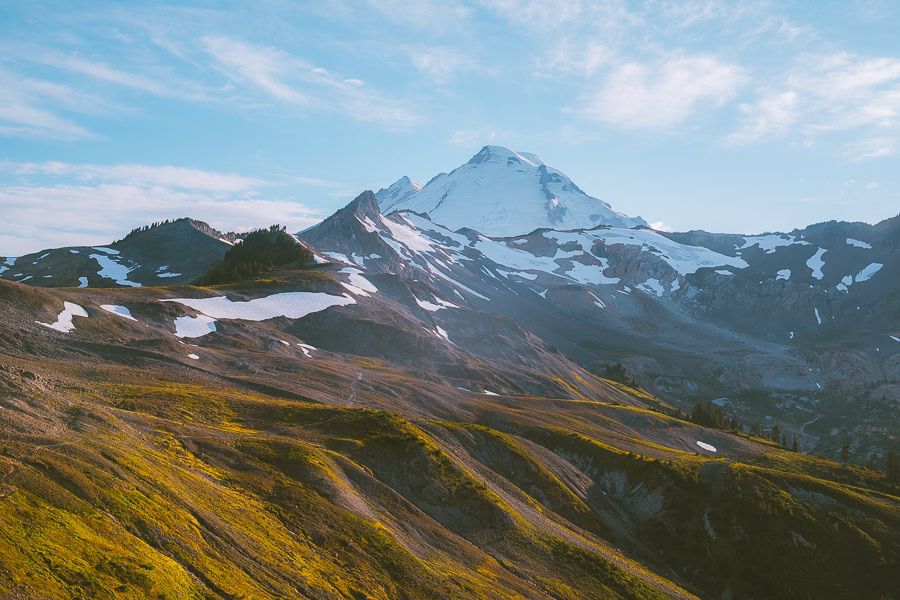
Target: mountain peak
(500,192)
(503,155)
(366,204)
(400,191)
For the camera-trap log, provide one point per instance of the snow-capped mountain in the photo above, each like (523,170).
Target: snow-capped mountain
(397,193)
(503,193)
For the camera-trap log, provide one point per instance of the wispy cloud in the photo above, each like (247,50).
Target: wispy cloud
(144,175)
(441,63)
(570,57)
(170,87)
(47,203)
(871,148)
(423,14)
(771,116)
(297,83)
(829,93)
(30,108)
(472,137)
(662,94)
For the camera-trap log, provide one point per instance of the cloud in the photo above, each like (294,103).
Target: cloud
(660,226)
(170,88)
(568,57)
(771,116)
(820,94)
(552,14)
(440,63)
(50,204)
(472,137)
(845,91)
(262,66)
(299,84)
(30,108)
(663,94)
(870,148)
(168,176)
(422,14)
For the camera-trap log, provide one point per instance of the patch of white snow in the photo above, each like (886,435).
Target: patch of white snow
(118,310)
(64,319)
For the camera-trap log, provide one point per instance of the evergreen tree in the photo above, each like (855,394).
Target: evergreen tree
(845,453)
(893,468)
(776,433)
(795,447)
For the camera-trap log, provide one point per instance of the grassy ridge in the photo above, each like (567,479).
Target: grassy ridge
(170,489)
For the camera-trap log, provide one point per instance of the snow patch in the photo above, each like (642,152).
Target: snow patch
(293,305)
(769,243)
(867,273)
(194,327)
(783,274)
(368,224)
(194,356)
(64,319)
(858,244)
(441,332)
(82,282)
(652,286)
(437,305)
(110,269)
(358,281)
(706,446)
(816,263)
(339,257)
(118,310)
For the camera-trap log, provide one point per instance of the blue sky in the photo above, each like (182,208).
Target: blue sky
(703,114)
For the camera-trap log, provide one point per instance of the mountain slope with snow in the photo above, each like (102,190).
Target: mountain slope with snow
(170,253)
(503,193)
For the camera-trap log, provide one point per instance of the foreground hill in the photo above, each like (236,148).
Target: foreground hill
(335,433)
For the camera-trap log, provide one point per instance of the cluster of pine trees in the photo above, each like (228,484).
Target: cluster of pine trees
(261,251)
(712,415)
(144,228)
